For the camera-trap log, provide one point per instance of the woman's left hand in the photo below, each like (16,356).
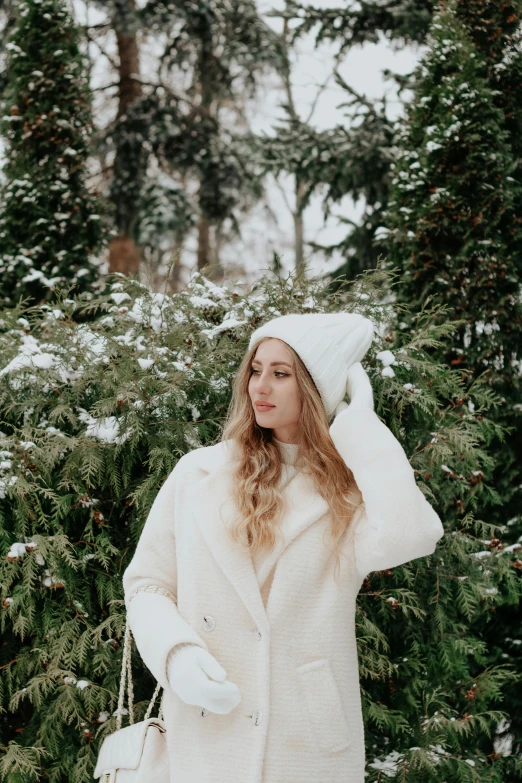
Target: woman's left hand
(359,387)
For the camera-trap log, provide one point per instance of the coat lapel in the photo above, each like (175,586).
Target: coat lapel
(213,510)
(303,506)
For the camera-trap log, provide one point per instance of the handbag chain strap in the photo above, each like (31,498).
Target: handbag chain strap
(126,670)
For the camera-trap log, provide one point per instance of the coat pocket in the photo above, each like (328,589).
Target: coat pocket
(323,705)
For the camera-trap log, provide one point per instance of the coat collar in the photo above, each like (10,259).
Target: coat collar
(213,509)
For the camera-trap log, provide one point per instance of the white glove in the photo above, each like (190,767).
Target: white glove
(358,388)
(188,665)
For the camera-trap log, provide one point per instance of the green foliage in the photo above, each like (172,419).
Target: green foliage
(94,417)
(213,54)
(363,152)
(403,21)
(455,233)
(495,31)
(49,223)
(163,210)
(353,158)
(449,245)
(336,161)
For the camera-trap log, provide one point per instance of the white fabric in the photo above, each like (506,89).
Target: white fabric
(359,387)
(173,653)
(328,344)
(288,453)
(295,659)
(197,678)
(135,754)
(185,675)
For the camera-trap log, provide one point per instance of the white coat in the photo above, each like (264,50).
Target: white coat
(295,659)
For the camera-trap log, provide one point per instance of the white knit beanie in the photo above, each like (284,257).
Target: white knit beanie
(328,344)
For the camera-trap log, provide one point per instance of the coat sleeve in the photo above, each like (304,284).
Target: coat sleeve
(398,523)
(152,614)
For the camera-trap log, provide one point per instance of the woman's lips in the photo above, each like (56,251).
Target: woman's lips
(264,407)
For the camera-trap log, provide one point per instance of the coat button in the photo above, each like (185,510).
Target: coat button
(257,717)
(257,633)
(209,623)
(203,711)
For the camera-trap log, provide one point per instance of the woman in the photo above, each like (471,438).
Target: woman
(241,594)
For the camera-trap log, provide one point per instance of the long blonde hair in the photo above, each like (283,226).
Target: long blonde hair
(256,478)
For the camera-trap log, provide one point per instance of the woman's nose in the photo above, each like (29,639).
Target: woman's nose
(262,382)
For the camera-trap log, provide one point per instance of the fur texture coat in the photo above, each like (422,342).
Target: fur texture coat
(295,658)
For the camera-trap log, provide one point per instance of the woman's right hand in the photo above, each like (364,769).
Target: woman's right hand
(199,679)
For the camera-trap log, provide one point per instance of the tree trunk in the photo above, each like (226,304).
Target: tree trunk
(203,242)
(124,256)
(216,272)
(174,280)
(300,191)
(129,68)
(205,88)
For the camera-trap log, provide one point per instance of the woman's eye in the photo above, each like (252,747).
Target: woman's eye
(278,372)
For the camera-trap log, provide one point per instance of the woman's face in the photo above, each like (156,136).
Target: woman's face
(273,381)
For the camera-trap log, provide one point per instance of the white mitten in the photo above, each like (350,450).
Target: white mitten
(359,387)
(187,668)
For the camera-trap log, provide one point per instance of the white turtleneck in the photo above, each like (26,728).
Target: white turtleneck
(288,451)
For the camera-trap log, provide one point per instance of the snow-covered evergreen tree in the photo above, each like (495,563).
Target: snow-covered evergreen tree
(456,236)
(95,417)
(50,226)
(496,30)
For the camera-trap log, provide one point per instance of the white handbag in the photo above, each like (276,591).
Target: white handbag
(137,753)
